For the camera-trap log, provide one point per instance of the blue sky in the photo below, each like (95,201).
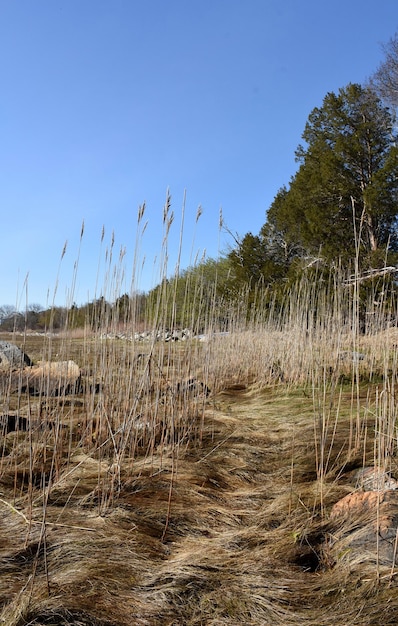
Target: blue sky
(107,104)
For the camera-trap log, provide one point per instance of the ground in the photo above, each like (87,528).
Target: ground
(221,516)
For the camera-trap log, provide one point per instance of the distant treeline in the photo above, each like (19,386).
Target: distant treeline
(199,294)
(92,315)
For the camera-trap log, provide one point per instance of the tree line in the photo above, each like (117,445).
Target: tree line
(99,313)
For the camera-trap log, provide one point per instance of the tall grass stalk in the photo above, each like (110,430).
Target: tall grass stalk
(141,408)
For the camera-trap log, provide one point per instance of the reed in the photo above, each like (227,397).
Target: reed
(192,482)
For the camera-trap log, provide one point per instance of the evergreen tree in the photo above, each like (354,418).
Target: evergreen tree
(344,195)
(259,259)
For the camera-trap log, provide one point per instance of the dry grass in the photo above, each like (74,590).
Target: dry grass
(227,522)
(192,483)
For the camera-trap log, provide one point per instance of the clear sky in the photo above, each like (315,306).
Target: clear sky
(107,104)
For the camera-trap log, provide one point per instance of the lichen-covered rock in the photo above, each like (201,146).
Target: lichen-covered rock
(11,356)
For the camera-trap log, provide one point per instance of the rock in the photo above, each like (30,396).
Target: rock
(211,336)
(364,528)
(11,423)
(356,503)
(192,387)
(52,378)
(12,356)
(14,423)
(352,356)
(374,479)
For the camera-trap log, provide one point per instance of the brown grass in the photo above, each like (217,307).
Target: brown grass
(221,518)
(192,483)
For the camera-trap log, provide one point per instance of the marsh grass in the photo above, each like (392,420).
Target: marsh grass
(192,482)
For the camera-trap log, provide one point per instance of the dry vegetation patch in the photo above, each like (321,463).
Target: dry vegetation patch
(179,488)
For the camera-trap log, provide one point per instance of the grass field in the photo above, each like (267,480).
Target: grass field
(202,482)
(136,500)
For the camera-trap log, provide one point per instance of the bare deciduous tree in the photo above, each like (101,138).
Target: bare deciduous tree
(385,79)
(6,311)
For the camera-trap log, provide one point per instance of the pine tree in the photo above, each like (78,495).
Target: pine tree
(344,195)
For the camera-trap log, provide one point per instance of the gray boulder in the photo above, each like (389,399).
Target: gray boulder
(374,479)
(12,356)
(351,356)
